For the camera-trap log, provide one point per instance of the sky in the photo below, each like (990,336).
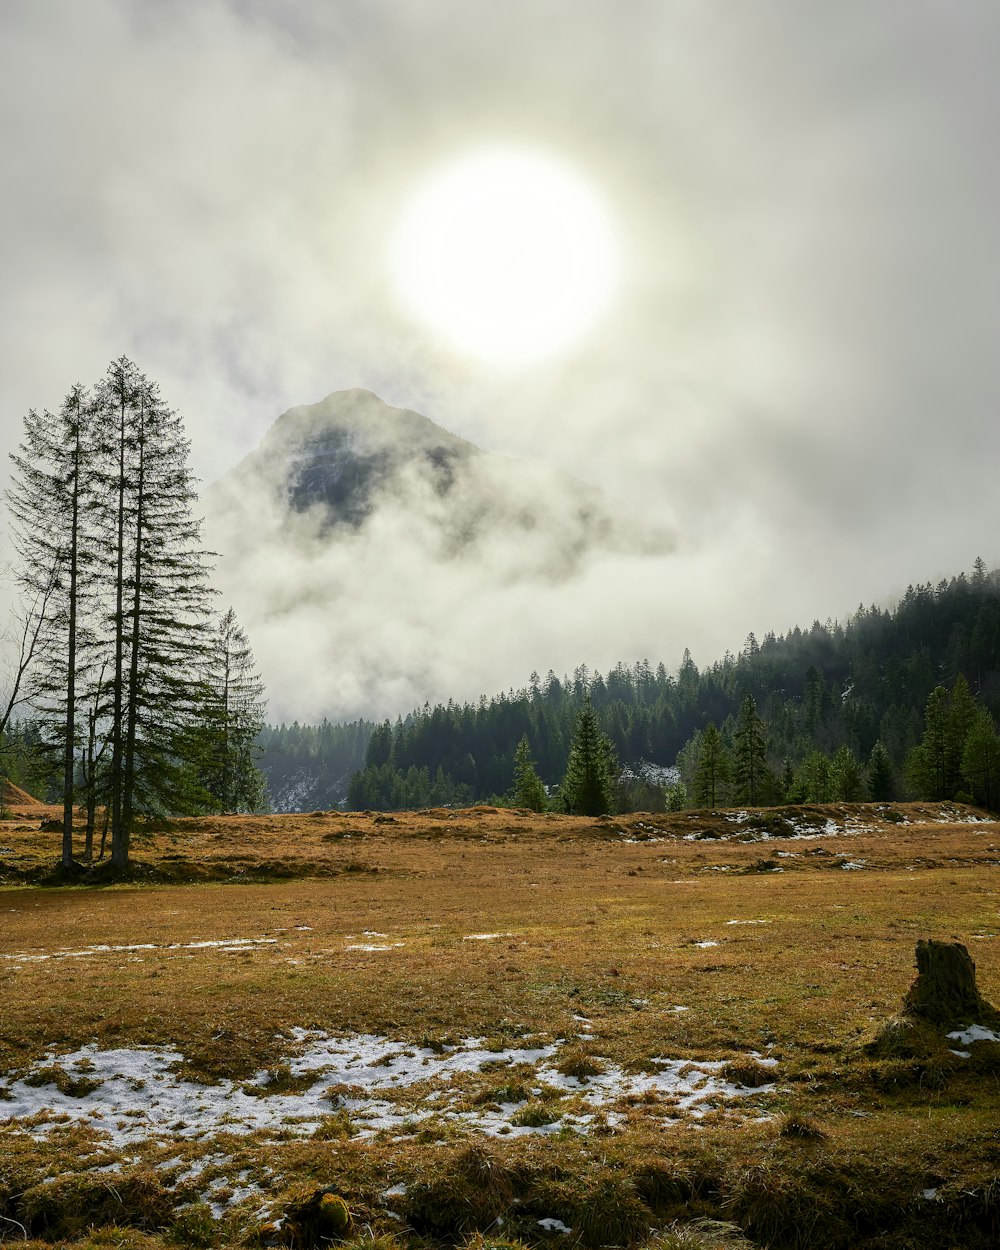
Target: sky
(796,374)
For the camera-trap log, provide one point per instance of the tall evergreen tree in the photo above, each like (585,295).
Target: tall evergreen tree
(930,766)
(814,779)
(528,788)
(846,776)
(236,718)
(590,771)
(51,504)
(158,608)
(880,778)
(750,753)
(712,769)
(981,760)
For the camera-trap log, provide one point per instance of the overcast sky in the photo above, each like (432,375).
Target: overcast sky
(799,374)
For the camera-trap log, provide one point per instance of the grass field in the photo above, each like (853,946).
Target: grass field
(488,1026)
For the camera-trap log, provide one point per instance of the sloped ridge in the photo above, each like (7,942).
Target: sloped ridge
(12,794)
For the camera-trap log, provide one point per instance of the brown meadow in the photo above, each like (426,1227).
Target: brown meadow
(729,938)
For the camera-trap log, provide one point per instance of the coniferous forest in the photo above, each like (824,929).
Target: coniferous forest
(894,703)
(130,698)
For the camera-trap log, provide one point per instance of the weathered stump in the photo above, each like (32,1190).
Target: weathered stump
(944,991)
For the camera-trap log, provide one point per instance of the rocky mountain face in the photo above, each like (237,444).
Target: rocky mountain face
(337,458)
(330,467)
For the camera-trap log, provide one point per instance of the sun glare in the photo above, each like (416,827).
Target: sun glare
(507,253)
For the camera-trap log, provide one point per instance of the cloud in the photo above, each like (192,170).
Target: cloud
(797,375)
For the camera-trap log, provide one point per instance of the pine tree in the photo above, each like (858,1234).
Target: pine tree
(712,769)
(51,504)
(814,780)
(848,783)
(158,609)
(675,797)
(750,754)
(590,771)
(934,767)
(928,766)
(236,718)
(981,760)
(529,791)
(880,774)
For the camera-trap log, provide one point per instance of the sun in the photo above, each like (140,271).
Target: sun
(508,253)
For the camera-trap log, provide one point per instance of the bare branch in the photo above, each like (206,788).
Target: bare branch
(30,621)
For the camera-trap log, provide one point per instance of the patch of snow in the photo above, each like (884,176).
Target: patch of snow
(370,946)
(748,922)
(707,943)
(929,1194)
(653,774)
(974,1033)
(143,1096)
(225,944)
(961,1054)
(485,937)
(552,1225)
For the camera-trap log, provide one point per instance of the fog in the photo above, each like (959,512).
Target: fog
(796,378)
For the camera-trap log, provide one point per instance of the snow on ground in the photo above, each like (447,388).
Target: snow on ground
(974,1033)
(225,944)
(140,1094)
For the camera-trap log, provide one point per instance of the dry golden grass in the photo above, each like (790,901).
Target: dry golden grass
(619,920)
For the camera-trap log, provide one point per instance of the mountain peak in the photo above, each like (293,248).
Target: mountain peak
(371,423)
(339,454)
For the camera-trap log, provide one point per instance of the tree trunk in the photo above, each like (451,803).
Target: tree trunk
(119,836)
(944,990)
(128,787)
(69,753)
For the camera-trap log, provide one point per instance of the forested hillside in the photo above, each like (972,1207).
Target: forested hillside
(308,766)
(825,696)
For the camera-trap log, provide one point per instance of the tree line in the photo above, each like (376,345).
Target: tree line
(146,700)
(832,711)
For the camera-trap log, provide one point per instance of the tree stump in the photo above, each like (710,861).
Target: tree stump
(944,991)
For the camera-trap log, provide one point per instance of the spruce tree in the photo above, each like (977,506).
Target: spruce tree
(590,771)
(981,760)
(929,766)
(846,776)
(712,769)
(814,780)
(52,504)
(529,791)
(934,767)
(235,720)
(881,777)
(750,754)
(158,602)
